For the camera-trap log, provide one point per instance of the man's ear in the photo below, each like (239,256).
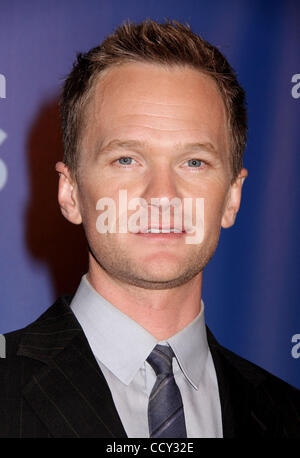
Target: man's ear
(233,200)
(67,194)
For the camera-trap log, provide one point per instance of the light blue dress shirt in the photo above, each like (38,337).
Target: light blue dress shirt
(121,347)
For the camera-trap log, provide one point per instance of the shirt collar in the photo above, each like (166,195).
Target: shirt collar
(122,345)
(191,348)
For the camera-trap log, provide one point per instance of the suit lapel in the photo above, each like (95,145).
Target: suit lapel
(246,409)
(232,405)
(70,395)
(69,392)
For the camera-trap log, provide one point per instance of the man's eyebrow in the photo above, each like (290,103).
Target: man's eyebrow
(121,144)
(138,144)
(199,146)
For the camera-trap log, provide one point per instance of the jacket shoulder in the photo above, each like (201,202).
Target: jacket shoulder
(13,338)
(256,373)
(13,364)
(269,399)
(253,373)
(16,368)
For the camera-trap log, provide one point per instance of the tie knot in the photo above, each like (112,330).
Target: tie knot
(160,359)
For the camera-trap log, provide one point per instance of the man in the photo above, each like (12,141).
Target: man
(154,114)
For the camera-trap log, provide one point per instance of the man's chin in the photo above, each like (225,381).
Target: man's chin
(157,272)
(158,281)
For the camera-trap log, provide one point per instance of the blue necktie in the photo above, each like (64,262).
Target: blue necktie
(165,408)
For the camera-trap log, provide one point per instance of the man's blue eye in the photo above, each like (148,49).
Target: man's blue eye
(125,160)
(195,163)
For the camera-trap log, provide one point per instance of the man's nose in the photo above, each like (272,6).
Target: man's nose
(161,186)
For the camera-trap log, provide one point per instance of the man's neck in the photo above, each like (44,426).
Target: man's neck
(162,313)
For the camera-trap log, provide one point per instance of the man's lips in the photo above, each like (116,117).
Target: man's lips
(161,235)
(155,228)
(166,233)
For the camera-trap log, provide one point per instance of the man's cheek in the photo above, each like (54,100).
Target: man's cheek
(213,215)
(197,225)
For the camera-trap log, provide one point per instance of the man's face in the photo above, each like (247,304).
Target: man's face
(155,132)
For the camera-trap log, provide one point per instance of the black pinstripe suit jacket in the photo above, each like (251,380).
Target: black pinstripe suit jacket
(51,386)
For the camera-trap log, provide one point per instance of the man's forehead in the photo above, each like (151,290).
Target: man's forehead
(166,87)
(137,100)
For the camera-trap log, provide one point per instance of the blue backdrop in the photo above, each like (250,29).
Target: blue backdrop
(251,286)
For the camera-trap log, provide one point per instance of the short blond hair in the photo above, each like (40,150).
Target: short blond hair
(169,43)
